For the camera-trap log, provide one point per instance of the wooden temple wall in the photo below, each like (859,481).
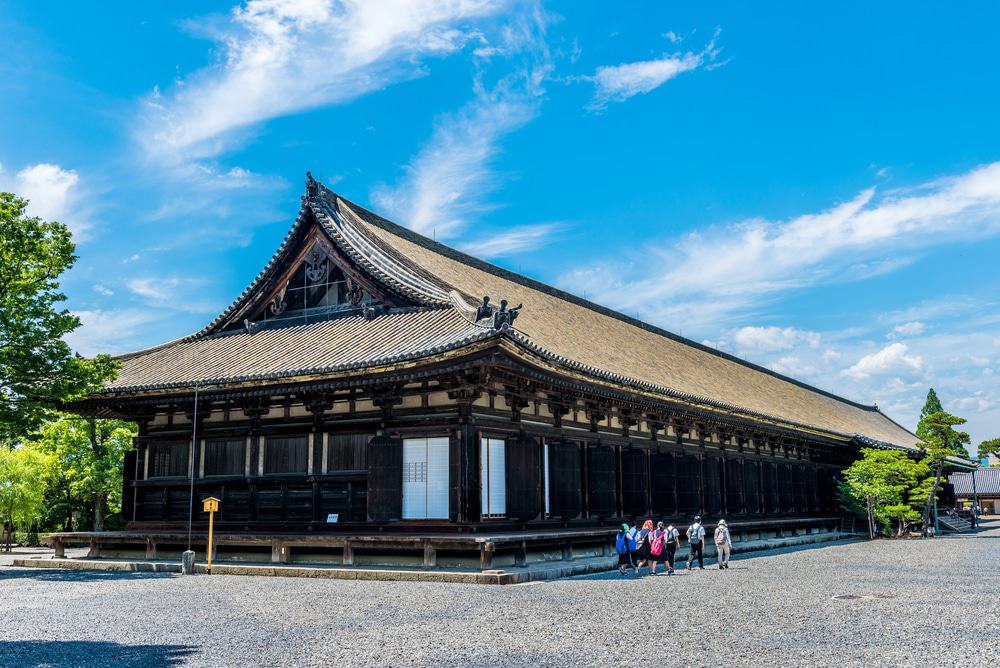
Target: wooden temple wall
(288,464)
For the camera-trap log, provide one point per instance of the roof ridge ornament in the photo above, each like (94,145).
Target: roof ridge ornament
(312,186)
(502,318)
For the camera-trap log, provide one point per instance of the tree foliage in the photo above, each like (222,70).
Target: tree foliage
(22,488)
(989,447)
(85,466)
(37,367)
(931,407)
(940,441)
(887,486)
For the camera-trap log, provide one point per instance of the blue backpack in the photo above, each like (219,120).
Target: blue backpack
(621,543)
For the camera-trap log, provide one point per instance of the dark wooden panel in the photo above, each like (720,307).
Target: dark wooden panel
(178,505)
(713,485)
(385,479)
(522,457)
(225,456)
(564,479)
(602,479)
(347,452)
(734,487)
(128,489)
(634,483)
(235,506)
(151,504)
(812,488)
(663,475)
(751,486)
(298,503)
(688,485)
(786,493)
(169,459)
(799,488)
(770,485)
(269,503)
(286,454)
(827,490)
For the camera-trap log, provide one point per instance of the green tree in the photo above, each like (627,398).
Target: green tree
(22,489)
(989,447)
(931,406)
(37,368)
(940,441)
(85,456)
(883,484)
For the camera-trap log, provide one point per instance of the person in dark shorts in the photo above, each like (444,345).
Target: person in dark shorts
(625,547)
(696,543)
(642,545)
(671,541)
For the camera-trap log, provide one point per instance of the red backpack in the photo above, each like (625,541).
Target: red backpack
(656,546)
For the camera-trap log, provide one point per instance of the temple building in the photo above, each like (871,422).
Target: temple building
(374,385)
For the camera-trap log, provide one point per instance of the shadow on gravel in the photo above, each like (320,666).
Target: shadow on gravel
(66,575)
(86,653)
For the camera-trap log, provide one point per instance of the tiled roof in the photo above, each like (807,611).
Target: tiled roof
(569,331)
(349,342)
(599,338)
(987,482)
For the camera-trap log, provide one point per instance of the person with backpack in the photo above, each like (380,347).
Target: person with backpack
(625,547)
(642,545)
(656,546)
(696,543)
(671,541)
(723,544)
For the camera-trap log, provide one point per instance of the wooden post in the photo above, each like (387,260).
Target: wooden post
(348,553)
(486,555)
(430,555)
(59,547)
(95,549)
(150,549)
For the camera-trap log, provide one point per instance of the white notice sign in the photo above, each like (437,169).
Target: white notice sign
(332,518)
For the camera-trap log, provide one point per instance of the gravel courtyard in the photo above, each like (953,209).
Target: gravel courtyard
(919,603)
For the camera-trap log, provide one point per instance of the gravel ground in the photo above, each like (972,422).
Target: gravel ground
(920,603)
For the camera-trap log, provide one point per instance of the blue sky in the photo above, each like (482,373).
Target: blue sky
(816,189)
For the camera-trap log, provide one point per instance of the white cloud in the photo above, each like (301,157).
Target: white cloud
(111,331)
(447,183)
(514,240)
(285,56)
(915,328)
(770,339)
(617,83)
(171,292)
(53,194)
(710,276)
(889,360)
(102,290)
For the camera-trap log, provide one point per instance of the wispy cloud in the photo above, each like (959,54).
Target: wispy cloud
(770,339)
(284,56)
(617,83)
(53,192)
(447,184)
(714,274)
(171,292)
(514,240)
(112,331)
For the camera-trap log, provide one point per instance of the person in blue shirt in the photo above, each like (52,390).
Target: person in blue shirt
(625,546)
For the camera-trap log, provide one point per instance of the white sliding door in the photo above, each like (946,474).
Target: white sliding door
(425,478)
(493,476)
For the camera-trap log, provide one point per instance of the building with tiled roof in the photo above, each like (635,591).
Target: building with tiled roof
(372,379)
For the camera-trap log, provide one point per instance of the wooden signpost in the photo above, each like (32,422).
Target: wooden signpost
(210,506)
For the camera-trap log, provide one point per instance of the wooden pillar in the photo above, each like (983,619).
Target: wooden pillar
(59,547)
(430,555)
(486,551)
(150,549)
(280,552)
(95,549)
(521,554)
(649,484)
(348,553)
(620,505)
(567,550)
(584,479)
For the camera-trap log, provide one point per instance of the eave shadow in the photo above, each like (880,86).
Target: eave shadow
(87,653)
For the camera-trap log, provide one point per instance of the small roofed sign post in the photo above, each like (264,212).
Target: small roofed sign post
(210,506)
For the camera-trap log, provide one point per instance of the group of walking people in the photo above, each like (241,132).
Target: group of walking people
(647,546)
